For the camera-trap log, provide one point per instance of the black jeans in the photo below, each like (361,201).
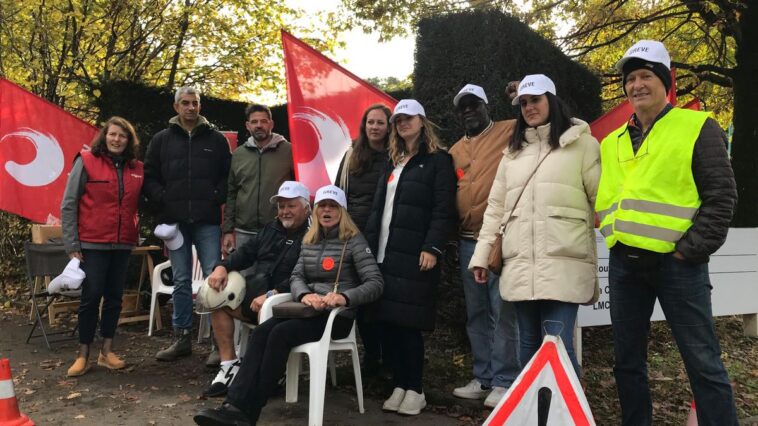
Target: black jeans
(266,356)
(371,336)
(684,292)
(406,349)
(106,274)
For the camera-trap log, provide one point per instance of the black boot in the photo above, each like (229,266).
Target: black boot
(181,347)
(225,415)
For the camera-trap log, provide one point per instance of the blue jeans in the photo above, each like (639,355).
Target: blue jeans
(207,241)
(684,292)
(491,326)
(536,317)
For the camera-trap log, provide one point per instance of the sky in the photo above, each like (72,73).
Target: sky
(363,54)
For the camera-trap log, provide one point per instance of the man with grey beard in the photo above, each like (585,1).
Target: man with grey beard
(270,255)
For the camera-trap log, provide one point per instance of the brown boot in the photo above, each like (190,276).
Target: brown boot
(181,347)
(79,367)
(110,361)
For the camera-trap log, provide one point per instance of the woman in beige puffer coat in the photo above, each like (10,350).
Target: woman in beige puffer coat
(549,251)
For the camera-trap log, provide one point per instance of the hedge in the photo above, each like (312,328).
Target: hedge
(489,48)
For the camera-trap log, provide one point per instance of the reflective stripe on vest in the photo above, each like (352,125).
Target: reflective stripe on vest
(659,208)
(648,231)
(648,199)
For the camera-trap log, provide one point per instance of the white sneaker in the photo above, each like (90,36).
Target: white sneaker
(393,403)
(220,384)
(412,404)
(473,390)
(498,392)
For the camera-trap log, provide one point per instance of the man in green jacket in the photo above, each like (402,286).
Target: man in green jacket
(259,166)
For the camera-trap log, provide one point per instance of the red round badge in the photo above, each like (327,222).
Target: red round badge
(327,263)
(391,178)
(459,173)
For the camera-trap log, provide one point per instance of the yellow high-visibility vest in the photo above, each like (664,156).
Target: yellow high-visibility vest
(649,199)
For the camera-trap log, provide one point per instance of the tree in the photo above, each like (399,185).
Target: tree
(64,50)
(714,45)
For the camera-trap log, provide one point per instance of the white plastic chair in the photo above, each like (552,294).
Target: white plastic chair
(242,330)
(159,288)
(318,355)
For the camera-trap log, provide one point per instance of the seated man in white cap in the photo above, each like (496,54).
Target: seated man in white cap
(272,254)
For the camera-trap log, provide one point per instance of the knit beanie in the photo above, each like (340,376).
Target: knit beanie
(658,69)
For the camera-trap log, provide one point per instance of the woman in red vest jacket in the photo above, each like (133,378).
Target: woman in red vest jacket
(99,215)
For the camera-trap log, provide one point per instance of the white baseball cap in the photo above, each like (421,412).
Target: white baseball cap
(648,50)
(534,84)
(408,107)
(331,192)
(170,234)
(470,89)
(69,282)
(291,189)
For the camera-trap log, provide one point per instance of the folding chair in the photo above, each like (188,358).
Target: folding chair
(44,260)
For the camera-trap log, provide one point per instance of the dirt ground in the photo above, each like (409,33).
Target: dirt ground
(151,393)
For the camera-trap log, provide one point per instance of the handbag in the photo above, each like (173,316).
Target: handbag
(495,259)
(291,310)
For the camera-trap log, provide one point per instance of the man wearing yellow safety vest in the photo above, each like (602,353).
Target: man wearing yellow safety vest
(665,200)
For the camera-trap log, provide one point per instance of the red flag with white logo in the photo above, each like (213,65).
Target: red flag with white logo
(325,106)
(38,142)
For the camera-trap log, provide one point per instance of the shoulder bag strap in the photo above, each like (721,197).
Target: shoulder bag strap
(502,225)
(288,243)
(339,268)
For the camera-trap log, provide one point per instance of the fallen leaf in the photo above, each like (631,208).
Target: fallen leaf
(80,416)
(74,395)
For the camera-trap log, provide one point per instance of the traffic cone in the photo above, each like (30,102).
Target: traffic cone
(692,417)
(9,414)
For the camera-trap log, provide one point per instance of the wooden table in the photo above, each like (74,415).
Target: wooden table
(133,313)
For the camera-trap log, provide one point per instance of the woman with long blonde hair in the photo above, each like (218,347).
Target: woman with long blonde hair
(413,216)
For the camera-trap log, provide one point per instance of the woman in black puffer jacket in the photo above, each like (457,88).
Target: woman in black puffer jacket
(413,216)
(360,170)
(364,163)
(313,283)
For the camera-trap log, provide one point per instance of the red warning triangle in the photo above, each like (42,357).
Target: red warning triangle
(550,372)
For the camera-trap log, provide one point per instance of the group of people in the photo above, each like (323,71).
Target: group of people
(661,187)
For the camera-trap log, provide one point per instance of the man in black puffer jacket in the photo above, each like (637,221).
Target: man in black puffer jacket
(186,169)
(271,255)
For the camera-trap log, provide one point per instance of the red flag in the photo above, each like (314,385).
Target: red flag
(38,142)
(621,113)
(325,106)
